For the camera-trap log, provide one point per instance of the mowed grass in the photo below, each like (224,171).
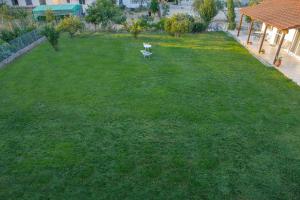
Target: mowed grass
(201,119)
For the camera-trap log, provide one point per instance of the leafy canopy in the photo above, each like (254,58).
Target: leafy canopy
(104,12)
(70,25)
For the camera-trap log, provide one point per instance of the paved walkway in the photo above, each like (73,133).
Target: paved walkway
(290,64)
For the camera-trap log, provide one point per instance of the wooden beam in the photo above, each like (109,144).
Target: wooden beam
(240,25)
(250,31)
(279,47)
(263,39)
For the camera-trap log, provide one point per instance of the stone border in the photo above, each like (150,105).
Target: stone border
(21,52)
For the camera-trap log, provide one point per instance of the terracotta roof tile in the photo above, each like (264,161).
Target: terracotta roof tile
(283,14)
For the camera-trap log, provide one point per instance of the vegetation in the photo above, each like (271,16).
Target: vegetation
(50,17)
(154,6)
(231,15)
(202,119)
(71,25)
(104,12)
(208,10)
(52,35)
(177,25)
(134,28)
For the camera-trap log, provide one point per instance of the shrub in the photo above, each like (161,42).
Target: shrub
(7,35)
(198,27)
(160,24)
(134,28)
(231,15)
(52,35)
(70,25)
(50,17)
(208,10)
(177,25)
(146,21)
(154,6)
(104,12)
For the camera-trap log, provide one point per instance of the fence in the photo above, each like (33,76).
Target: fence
(9,49)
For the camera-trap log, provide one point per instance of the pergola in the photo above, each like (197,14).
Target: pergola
(282,14)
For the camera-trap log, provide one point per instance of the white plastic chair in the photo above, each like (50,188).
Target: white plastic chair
(146,53)
(147,46)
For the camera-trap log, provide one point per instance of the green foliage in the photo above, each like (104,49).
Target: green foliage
(231,15)
(70,25)
(177,25)
(50,17)
(134,28)
(52,35)
(10,34)
(196,5)
(146,21)
(208,10)
(104,12)
(160,25)
(154,6)
(198,27)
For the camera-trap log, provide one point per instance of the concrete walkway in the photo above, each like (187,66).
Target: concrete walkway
(290,64)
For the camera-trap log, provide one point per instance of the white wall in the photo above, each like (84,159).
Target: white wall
(272,34)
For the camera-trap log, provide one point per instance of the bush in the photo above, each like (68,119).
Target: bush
(104,12)
(70,25)
(50,17)
(146,21)
(198,27)
(134,28)
(52,35)
(7,35)
(208,10)
(231,15)
(160,24)
(177,25)
(154,6)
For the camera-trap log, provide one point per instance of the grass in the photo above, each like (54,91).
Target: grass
(201,119)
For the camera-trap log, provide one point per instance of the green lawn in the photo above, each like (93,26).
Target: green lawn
(201,119)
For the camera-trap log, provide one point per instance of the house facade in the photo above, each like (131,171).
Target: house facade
(281,25)
(84,3)
(291,42)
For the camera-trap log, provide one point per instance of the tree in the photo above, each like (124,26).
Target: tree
(208,10)
(52,35)
(134,28)
(70,25)
(104,12)
(154,6)
(92,15)
(231,15)
(177,25)
(50,17)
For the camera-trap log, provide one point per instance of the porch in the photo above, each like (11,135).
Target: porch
(278,36)
(290,66)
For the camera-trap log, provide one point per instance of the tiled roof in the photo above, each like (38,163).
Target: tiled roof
(282,14)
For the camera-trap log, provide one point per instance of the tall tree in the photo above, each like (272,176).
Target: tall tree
(208,10)
(104,12)
(231,15)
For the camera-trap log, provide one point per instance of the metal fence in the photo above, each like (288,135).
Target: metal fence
(10,48)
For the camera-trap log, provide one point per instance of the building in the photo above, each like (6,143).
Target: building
(281,25)
(84,3)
